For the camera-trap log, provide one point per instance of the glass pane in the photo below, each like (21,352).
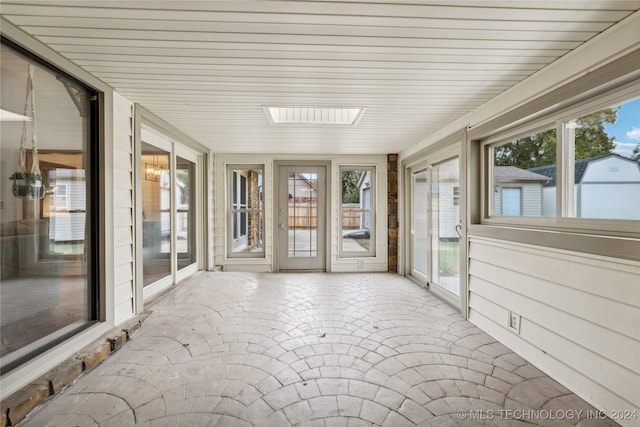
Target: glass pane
(247,220)
(156,214)
(185,215)
(45,240)
(420,248)
(445,218)
(303,216)
(356,210)
(606,168)
(524,176)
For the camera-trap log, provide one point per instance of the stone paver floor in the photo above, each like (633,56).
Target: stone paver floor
(312,349)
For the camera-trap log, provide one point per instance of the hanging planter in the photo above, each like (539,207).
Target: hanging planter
(29,184)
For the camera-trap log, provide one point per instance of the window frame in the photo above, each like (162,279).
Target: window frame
(372,169)
(236,208)
(564,164)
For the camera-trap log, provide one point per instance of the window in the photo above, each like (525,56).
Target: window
(603,176)
(578,170)
(246,211)
(520,185)
(49,220)
(357,208)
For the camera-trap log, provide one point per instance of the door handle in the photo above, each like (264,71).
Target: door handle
(459,230)
(283,227)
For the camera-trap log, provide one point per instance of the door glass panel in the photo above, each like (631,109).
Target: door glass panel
(185,214)
(301,217)
(445,219)
(420,224)
(156,214)
(303,214)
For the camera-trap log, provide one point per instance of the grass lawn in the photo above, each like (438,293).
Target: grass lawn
(365,243)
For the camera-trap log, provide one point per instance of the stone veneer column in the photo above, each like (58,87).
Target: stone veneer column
(392,211)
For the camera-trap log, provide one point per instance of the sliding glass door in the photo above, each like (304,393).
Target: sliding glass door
(435,227)
(169,212)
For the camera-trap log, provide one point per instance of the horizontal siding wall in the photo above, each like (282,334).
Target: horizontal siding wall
(580,315)
(123,208)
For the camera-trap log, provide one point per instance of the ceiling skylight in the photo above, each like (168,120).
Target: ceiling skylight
(314,115)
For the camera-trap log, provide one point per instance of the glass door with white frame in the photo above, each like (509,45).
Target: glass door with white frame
(156,213)
(301,217)
(420,226)
(435,227)
(169,212)
(445,226)
(185,210)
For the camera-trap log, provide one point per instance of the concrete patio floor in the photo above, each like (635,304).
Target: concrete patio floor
(242,349)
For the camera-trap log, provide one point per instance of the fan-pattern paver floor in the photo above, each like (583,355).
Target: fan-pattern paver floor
(313,349)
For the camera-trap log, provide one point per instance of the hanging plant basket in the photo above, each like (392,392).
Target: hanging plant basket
(27,185)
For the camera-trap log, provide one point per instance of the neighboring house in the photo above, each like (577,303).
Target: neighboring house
(364,185)
(303,201)
(67,205)
(448,196)
(302,188)
(600,183)
(517,192)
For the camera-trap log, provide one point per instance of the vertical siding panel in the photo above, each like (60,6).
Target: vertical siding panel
(123,209)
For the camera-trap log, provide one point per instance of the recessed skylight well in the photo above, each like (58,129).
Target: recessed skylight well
(299,115)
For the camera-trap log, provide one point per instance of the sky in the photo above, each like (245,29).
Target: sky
(626,129)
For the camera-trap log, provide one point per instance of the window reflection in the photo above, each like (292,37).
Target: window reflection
(156,214)
(185,217)
(46,293)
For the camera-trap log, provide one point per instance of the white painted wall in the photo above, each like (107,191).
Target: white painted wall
(123,274)
(580,315)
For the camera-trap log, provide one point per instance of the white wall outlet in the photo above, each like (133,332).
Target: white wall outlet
(514,322)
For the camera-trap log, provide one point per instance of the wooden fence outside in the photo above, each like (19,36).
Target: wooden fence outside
(306,216)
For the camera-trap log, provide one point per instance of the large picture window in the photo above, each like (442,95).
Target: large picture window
(246,211)
(48,216)
(581,169)
(357,208)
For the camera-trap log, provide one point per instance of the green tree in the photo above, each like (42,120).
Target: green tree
(636,153)
(350,190)
(591,139)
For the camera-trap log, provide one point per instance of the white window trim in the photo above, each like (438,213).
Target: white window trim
(372,211)
(233,210)
(561,222)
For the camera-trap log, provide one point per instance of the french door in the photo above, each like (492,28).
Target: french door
(301,217)
(168,201)
(435,227)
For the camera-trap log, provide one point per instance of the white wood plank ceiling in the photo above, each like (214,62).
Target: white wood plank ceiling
(209,67)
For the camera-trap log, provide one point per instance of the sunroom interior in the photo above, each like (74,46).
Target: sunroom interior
(489,151)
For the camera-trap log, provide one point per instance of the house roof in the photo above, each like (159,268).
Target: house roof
(512,173)
(580,168)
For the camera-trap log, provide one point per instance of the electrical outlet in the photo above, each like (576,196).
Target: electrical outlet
(514,322)
(360,264)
